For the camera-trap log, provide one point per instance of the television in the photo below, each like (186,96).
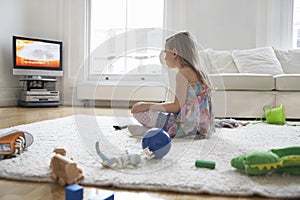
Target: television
(35,57)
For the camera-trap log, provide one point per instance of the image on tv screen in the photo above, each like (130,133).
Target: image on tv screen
(37,54)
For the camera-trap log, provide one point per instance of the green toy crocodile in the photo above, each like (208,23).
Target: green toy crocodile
(279,160)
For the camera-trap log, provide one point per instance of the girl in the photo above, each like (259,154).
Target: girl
(191,113)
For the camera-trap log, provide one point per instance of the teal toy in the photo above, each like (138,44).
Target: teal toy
(278,160)
(126,161)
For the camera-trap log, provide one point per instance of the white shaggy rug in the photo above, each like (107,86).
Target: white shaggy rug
(175,172)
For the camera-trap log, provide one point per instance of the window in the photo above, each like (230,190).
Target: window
(296,20)
(125,38)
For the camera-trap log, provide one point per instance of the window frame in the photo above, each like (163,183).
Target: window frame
(296,25)
(106,78)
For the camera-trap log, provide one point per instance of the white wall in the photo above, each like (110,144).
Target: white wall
(217,24)
(224,26)
(12,20)
(73,18)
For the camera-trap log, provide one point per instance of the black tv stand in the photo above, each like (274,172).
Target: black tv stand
(35,93)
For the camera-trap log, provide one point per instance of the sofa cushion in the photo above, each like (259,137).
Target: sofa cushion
(259,60)
(222,62)
(242,81)
(289,60)
(287,82)
(204,60)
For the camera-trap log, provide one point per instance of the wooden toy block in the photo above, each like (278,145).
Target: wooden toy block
(74,192)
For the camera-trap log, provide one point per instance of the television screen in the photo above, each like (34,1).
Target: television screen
(33,56)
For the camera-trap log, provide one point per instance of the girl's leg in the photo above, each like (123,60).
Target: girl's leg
(137,130)
(149,119)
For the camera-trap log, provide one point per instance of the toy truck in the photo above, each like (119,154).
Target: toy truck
(14,143)
(64,170)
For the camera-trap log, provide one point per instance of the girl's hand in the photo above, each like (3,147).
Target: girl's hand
(140,107)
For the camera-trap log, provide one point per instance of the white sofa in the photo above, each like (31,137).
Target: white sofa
(246,81)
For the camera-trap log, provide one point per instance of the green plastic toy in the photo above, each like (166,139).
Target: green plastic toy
(205,164)
(279,160)
(275,115)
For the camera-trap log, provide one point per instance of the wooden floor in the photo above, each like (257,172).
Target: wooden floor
(12,190)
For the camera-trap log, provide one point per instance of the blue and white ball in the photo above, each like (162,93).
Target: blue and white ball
(158,141)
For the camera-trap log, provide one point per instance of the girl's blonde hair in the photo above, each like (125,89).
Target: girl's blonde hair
(185,45)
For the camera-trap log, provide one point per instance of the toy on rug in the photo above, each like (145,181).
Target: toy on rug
(279,160)
(157,141)
(117,127)
(275,115)
(126,161)
(229,123)
(205,164)
(14,143)
(64,170)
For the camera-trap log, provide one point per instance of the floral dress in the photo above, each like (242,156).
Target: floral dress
(197,115)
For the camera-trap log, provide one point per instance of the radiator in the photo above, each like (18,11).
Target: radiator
(121,92)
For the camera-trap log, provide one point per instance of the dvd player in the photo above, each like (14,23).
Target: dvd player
(40,98)
(40,93)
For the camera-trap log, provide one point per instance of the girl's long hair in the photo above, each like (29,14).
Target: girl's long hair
(185,45)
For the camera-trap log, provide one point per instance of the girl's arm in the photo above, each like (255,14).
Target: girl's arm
(173,107)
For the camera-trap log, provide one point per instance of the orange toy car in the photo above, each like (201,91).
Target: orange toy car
(64,170)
